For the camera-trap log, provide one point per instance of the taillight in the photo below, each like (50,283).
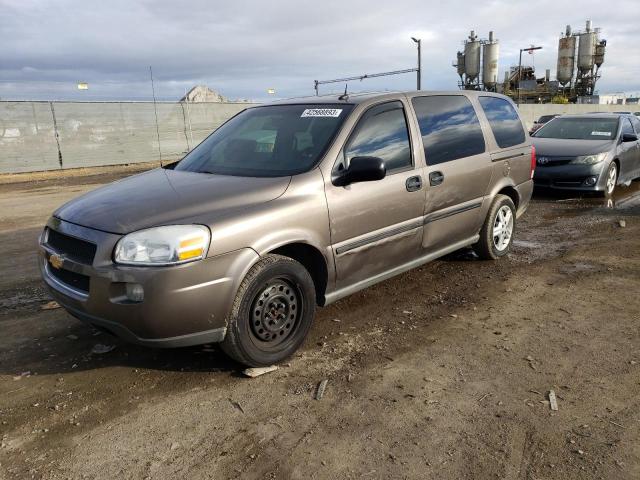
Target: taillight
(533,160)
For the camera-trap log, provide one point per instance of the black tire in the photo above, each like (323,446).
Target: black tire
(272,312)
(612,167)
(486,247)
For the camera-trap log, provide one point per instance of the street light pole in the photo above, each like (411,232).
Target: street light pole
(519,74)
(530,49)
(419,71)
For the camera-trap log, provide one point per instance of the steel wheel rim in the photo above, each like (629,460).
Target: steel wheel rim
(275,312)
(502,228)
(611,179)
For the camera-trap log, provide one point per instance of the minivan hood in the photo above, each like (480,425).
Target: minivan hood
(558,147)
(164,197)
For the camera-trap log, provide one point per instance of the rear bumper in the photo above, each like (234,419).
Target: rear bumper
(571,177)
(183,305)
(525,190)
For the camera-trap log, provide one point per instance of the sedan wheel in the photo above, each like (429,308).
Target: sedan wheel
(612,179)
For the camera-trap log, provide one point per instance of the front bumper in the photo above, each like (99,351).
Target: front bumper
(571,177)
(183,305)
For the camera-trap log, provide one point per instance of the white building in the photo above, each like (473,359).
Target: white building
(620,98)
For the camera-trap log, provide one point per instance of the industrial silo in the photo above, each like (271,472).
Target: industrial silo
(472,57)
(566,57)
(600,48)
(587,49)
(460,64)
(490,51)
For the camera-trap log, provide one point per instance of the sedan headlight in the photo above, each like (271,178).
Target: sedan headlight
(590,159)
(169,245)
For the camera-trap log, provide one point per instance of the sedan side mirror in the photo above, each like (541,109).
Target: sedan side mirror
(629,137)
(361,169)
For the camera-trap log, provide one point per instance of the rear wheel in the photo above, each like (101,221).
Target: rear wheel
(496,234)
(272,313)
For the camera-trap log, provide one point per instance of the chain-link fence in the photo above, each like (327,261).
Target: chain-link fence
(37,136)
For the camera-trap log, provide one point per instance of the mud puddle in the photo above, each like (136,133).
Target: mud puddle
(573,203)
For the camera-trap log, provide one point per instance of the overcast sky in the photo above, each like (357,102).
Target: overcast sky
(242,48)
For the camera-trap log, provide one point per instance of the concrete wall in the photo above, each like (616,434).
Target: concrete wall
(113,133)
(37,136)
(531,112)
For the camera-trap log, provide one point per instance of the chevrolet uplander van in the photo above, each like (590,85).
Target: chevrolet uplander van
(286,207)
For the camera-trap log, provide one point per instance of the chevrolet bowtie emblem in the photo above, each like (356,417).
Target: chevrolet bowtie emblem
(56,260)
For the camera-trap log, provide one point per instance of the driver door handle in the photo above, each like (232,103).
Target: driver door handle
(414,184)
(436,178)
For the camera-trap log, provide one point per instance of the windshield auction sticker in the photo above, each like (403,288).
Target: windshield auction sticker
(321,112)
(600,134)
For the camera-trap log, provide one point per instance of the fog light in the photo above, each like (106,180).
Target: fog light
(135,292)
(591,181)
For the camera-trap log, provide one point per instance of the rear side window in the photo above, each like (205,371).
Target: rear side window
(382,132)
(636,124)
(449,127)
(504,121)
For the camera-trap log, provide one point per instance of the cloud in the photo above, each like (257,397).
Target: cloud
(244,47)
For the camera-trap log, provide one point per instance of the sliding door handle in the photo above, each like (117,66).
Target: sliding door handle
(436,178)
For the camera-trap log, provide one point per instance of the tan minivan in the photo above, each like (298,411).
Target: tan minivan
(285,207)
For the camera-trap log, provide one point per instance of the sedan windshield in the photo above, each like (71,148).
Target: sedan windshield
(269,141)
(580,128)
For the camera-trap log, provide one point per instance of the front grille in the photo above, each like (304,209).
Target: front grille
(77,281)
(553,161)
(73,248)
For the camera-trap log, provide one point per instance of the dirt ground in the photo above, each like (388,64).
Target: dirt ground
(441,373)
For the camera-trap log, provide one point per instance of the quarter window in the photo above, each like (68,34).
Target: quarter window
(626,126)
(449,127)
(504,120)
(382,132)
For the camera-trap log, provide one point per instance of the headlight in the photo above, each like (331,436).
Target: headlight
(168,245)
(590,159)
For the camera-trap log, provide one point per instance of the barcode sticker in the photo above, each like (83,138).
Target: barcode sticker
(321,112)
(600,134)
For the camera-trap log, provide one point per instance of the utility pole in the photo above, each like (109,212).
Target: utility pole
(530,49)
(419,71)
(155,109)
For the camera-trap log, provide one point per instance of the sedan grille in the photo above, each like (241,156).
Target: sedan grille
(547,161)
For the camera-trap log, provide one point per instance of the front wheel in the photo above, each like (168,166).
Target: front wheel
(272,312)
(612,179)
(496,234)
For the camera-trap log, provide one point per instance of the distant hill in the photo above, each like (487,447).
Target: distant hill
(202,93)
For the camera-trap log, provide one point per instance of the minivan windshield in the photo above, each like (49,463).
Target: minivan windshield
(587,128)
(269,141)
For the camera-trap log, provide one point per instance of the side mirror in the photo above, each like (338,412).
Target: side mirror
(629,137)
(361,169)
